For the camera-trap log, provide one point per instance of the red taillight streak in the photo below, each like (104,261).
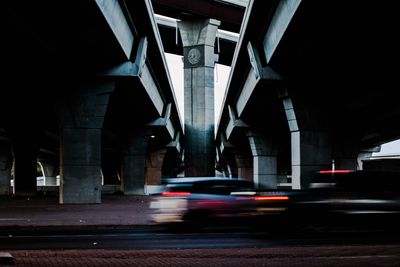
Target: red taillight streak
(264,198)
(175,194)
(334,171)
(272,198)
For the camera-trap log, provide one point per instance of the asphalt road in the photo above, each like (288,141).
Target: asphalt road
(213,247)
(160,238)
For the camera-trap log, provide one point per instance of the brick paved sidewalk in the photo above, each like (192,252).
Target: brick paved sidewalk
(115,210)
(134,210)
(380,255)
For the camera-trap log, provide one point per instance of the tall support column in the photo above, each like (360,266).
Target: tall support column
(6,160)
(198,38)
(265,166)
(349,162)
(229,171)
(244,165)
(133,165)
(311,149)
(80,159)
(110,165)
(25,152)
(227,156)
(311,152)
(153,170)
(230,164)
(80,168)
(346,152)
(49,172)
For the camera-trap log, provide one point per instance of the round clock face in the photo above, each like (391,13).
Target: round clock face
(193,56)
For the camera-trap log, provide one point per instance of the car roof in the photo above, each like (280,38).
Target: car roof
(372,179)
(198,179)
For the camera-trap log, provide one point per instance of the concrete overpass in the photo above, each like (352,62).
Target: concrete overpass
(85,88)
(86,91)
(229,13)
(89,95)
(312,82)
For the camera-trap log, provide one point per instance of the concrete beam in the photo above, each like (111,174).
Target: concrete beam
(164,123)
(202,33)
(163,62)
(152,91)
(256,74)
(172,23)
(176,143)
(128,68)
(234,124)
(115,18)
(247,91)
(279,23)
(88,107)
(254,59)
(140,70)
(224,144)
(242,3)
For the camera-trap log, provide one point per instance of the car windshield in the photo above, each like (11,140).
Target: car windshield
(209,186)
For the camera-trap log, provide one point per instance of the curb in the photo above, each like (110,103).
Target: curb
(67,229)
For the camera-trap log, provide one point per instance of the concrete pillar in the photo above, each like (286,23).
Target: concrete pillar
(244,164)
(311,152)
(231,168)
(110,165)
(228,159)
(153,170)
(265,168)
(80,168)
(80,160)
(49,172)
(25,165)
(346,151)
(133,165)
(350,163)
(228,172)
(171,163)
(6,160)
(365,154)
(310,149)
(198,38)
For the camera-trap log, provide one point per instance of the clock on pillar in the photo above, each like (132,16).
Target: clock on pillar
(193,56)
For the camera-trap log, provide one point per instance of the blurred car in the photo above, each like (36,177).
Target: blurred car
(204,200)
(345,197)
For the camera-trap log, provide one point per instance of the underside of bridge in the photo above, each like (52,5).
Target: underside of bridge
(312,84)
(87,94)
(86,91)
(229,14)
(344,72)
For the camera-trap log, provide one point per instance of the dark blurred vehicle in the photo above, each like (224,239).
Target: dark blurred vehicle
(334,198)
(345,197)
(205,200)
